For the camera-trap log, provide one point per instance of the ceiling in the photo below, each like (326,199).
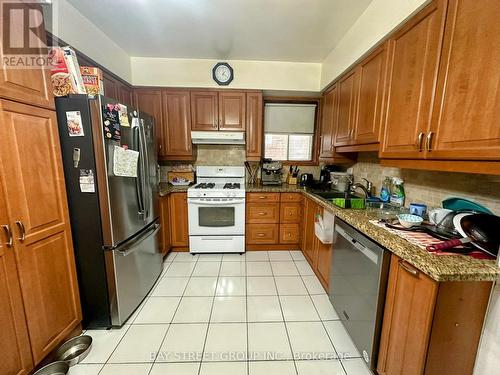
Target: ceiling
(276,30)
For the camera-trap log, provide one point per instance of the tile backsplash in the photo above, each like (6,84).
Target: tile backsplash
(431,187)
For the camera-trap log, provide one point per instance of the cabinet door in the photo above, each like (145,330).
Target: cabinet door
(31,158)
(310,250)
(465,118)
(204,110)
(324,259)
(16,352)
(414,53)
(262,234)
(254,127)
(262,213)
(124,94)
(179,220)
(177,125)
(289,234)
(347,108)
(232,111)
(165,224)
(328,122)
(30,86)
(371,73)
(290,212)
(150,101)
(110,87)
(409,308)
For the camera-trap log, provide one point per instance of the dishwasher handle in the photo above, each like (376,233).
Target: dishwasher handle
(370,254)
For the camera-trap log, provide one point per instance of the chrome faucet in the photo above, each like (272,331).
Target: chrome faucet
(366,189)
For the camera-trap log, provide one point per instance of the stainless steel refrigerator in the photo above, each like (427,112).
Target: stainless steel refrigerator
(112,178)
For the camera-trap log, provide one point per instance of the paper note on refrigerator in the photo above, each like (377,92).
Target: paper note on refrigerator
(125,162)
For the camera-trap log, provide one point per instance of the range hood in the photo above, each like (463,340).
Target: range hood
(218,138)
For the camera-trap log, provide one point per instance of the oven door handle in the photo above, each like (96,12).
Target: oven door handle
(216,203)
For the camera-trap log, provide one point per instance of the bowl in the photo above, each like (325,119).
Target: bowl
(55,368)
(74,350)
(409,220)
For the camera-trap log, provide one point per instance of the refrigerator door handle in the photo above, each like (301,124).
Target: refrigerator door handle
(131,247)
(146,176)
(138,179)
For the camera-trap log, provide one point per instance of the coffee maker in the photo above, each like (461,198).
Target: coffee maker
(324,176)
(272,172)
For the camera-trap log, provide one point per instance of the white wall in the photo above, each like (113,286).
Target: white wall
(266,75)
(75,29)
(379,18)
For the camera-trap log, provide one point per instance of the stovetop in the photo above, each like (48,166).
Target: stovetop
(219,182)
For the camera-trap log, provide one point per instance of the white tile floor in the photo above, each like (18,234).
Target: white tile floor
(259,313)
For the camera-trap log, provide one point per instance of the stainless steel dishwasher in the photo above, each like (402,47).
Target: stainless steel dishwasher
(358,282)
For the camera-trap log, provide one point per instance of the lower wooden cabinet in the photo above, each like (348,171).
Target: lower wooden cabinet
(289,233)
(324,252)
(179,227)
(429,327)
(165,243)
(261,213)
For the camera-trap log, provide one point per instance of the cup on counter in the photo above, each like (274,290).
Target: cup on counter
(418,209)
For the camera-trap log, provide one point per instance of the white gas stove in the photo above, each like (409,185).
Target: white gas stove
(217,210)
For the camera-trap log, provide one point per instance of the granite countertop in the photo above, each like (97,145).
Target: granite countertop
(440,268)
(166,189)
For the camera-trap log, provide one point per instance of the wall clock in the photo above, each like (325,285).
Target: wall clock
(222,73)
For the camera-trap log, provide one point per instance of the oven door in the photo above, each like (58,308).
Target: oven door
(216,216)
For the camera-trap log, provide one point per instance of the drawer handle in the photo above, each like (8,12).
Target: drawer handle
(290,234)
(8,232)
(429,141)
(419,142)
(408,268)
(22,230)
(261,213)
(262,197)
(260,234)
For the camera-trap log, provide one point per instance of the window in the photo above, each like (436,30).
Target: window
(289,131)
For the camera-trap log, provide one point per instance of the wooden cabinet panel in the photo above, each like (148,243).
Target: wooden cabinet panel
(371,73)
(179,220)
(263,197)
(176,125)
(465,117)
(408,313)
(110,86)
(310,250)
(204,110)
(125,94)
(291,197)
(260,213)
(290,212)
(254,126)
(16,352)
(232,111)
(165,224)
(262,234)
(347,93)
(328,122)
(31,157)
(30,86)
(324,262)
(289,233)
(414,53)
(150,101)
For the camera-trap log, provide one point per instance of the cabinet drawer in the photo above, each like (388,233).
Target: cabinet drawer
(261,213)
(262,234)
(291,197)
(263,197)
(290,212)
(289,233)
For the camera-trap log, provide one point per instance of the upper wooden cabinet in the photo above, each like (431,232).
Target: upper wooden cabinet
(30,86)
(328,122)
(176,125)
(232,109)
(39,221)
(371,77)
(412,73)
(465,118)
(346,114)
(204,110)
(254,126)
(149,101)
(218,110)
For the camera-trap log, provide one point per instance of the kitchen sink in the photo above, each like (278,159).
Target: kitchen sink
(343,200)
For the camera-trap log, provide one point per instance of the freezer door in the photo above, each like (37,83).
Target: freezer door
(122,199)
(134,267)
